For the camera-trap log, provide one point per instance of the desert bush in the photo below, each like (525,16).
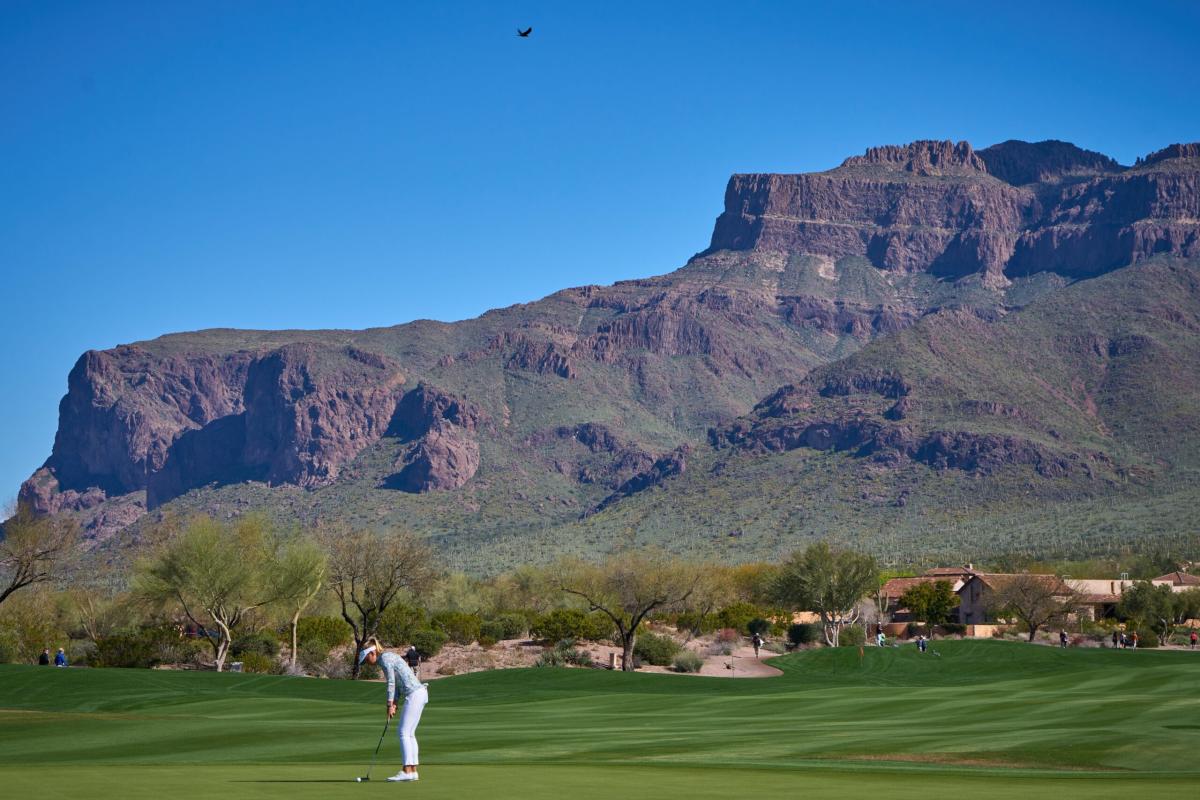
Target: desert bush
(399,622)
(737,615)
(695,623)
(728,636)
(687,661)
(262,644)
(322,633)
(460,627)
(1147,638)
(852,636)
(428,642)
(758,625)
(953,628)
(652,648)
(142,648)
(258,663)
(571,623)
(803,633)
(505,626)
(486,641)
(564,654)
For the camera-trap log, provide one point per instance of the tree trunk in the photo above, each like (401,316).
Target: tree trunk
(1033,629)
(224,640)
(355,669)
(295,624)
(627,652)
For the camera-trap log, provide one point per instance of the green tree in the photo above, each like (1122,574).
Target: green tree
(629,586)
(299,574)
(216,575)
(932,602)
(1158,607)
(829,582)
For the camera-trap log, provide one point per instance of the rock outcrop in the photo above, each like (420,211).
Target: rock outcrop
(1012,209)
(443,453)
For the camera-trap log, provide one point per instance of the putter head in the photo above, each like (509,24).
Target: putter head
(363,779)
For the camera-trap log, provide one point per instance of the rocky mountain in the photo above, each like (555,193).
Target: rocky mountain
(559,424)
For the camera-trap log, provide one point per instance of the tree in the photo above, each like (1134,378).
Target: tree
(1036,600)
(33,549)
(930,601)
(299,574)
(1158,607)
(630,585)
(828,581)
(369,570)
(216,575)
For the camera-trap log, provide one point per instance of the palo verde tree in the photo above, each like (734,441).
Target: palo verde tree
(931,601)
(829,582)
(1037,601)
(629,586)
(369,570)
(214,574)
(299,574)
(33,549)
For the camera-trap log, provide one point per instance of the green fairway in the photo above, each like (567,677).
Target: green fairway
(993,718)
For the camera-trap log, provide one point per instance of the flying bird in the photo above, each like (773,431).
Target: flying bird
(524,33)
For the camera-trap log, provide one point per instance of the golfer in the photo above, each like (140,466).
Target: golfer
(416,695)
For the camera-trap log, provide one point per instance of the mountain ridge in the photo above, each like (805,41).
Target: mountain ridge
(658,364)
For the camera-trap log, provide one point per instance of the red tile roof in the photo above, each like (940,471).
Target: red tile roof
(1180,579)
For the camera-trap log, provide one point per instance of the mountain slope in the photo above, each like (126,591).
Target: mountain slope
(547,426)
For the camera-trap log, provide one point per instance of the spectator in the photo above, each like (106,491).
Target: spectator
(757,641)
(1116,639)
(1135,640)
(1193,638)
(60,658)
(1062,638)
(412,657)
(880,639)
(44,658)
(922,643)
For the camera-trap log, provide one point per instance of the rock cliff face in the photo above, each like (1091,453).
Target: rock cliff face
(1012,209)
(802,270)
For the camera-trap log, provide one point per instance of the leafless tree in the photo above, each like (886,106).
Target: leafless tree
(33,549)
(629,586)
(1036,600)
(368,570)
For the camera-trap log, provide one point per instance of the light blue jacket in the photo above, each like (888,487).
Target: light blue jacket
(397,671)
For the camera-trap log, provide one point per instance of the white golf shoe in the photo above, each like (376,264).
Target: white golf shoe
(402,776)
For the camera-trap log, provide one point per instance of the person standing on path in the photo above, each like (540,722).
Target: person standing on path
(1135,640)
(1193,638)
(1116,638)
(60,658)
(416,695)
(44,658)
(1062,638)
(757,640)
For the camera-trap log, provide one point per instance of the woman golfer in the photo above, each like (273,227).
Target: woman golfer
(416,695)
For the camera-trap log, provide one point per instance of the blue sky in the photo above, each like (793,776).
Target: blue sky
(171,166)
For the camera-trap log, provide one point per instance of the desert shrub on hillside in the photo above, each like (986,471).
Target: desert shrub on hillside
(852,636)
(460,627)
(399,622)
(505,626)
(322,633)
(429,642)
(758,625)
(803,633)
(261,643)
(571,623)
(257,663)
(652,648)
(564,654)
(687,661)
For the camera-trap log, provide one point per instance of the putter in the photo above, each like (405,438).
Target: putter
(367,777)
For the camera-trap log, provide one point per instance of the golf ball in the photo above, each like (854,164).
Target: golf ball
(358,780)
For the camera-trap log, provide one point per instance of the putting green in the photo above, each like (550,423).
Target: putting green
(991,718)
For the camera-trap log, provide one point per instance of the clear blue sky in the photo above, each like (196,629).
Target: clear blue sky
(169,166)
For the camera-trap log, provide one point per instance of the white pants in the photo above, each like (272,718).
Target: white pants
(410,715)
